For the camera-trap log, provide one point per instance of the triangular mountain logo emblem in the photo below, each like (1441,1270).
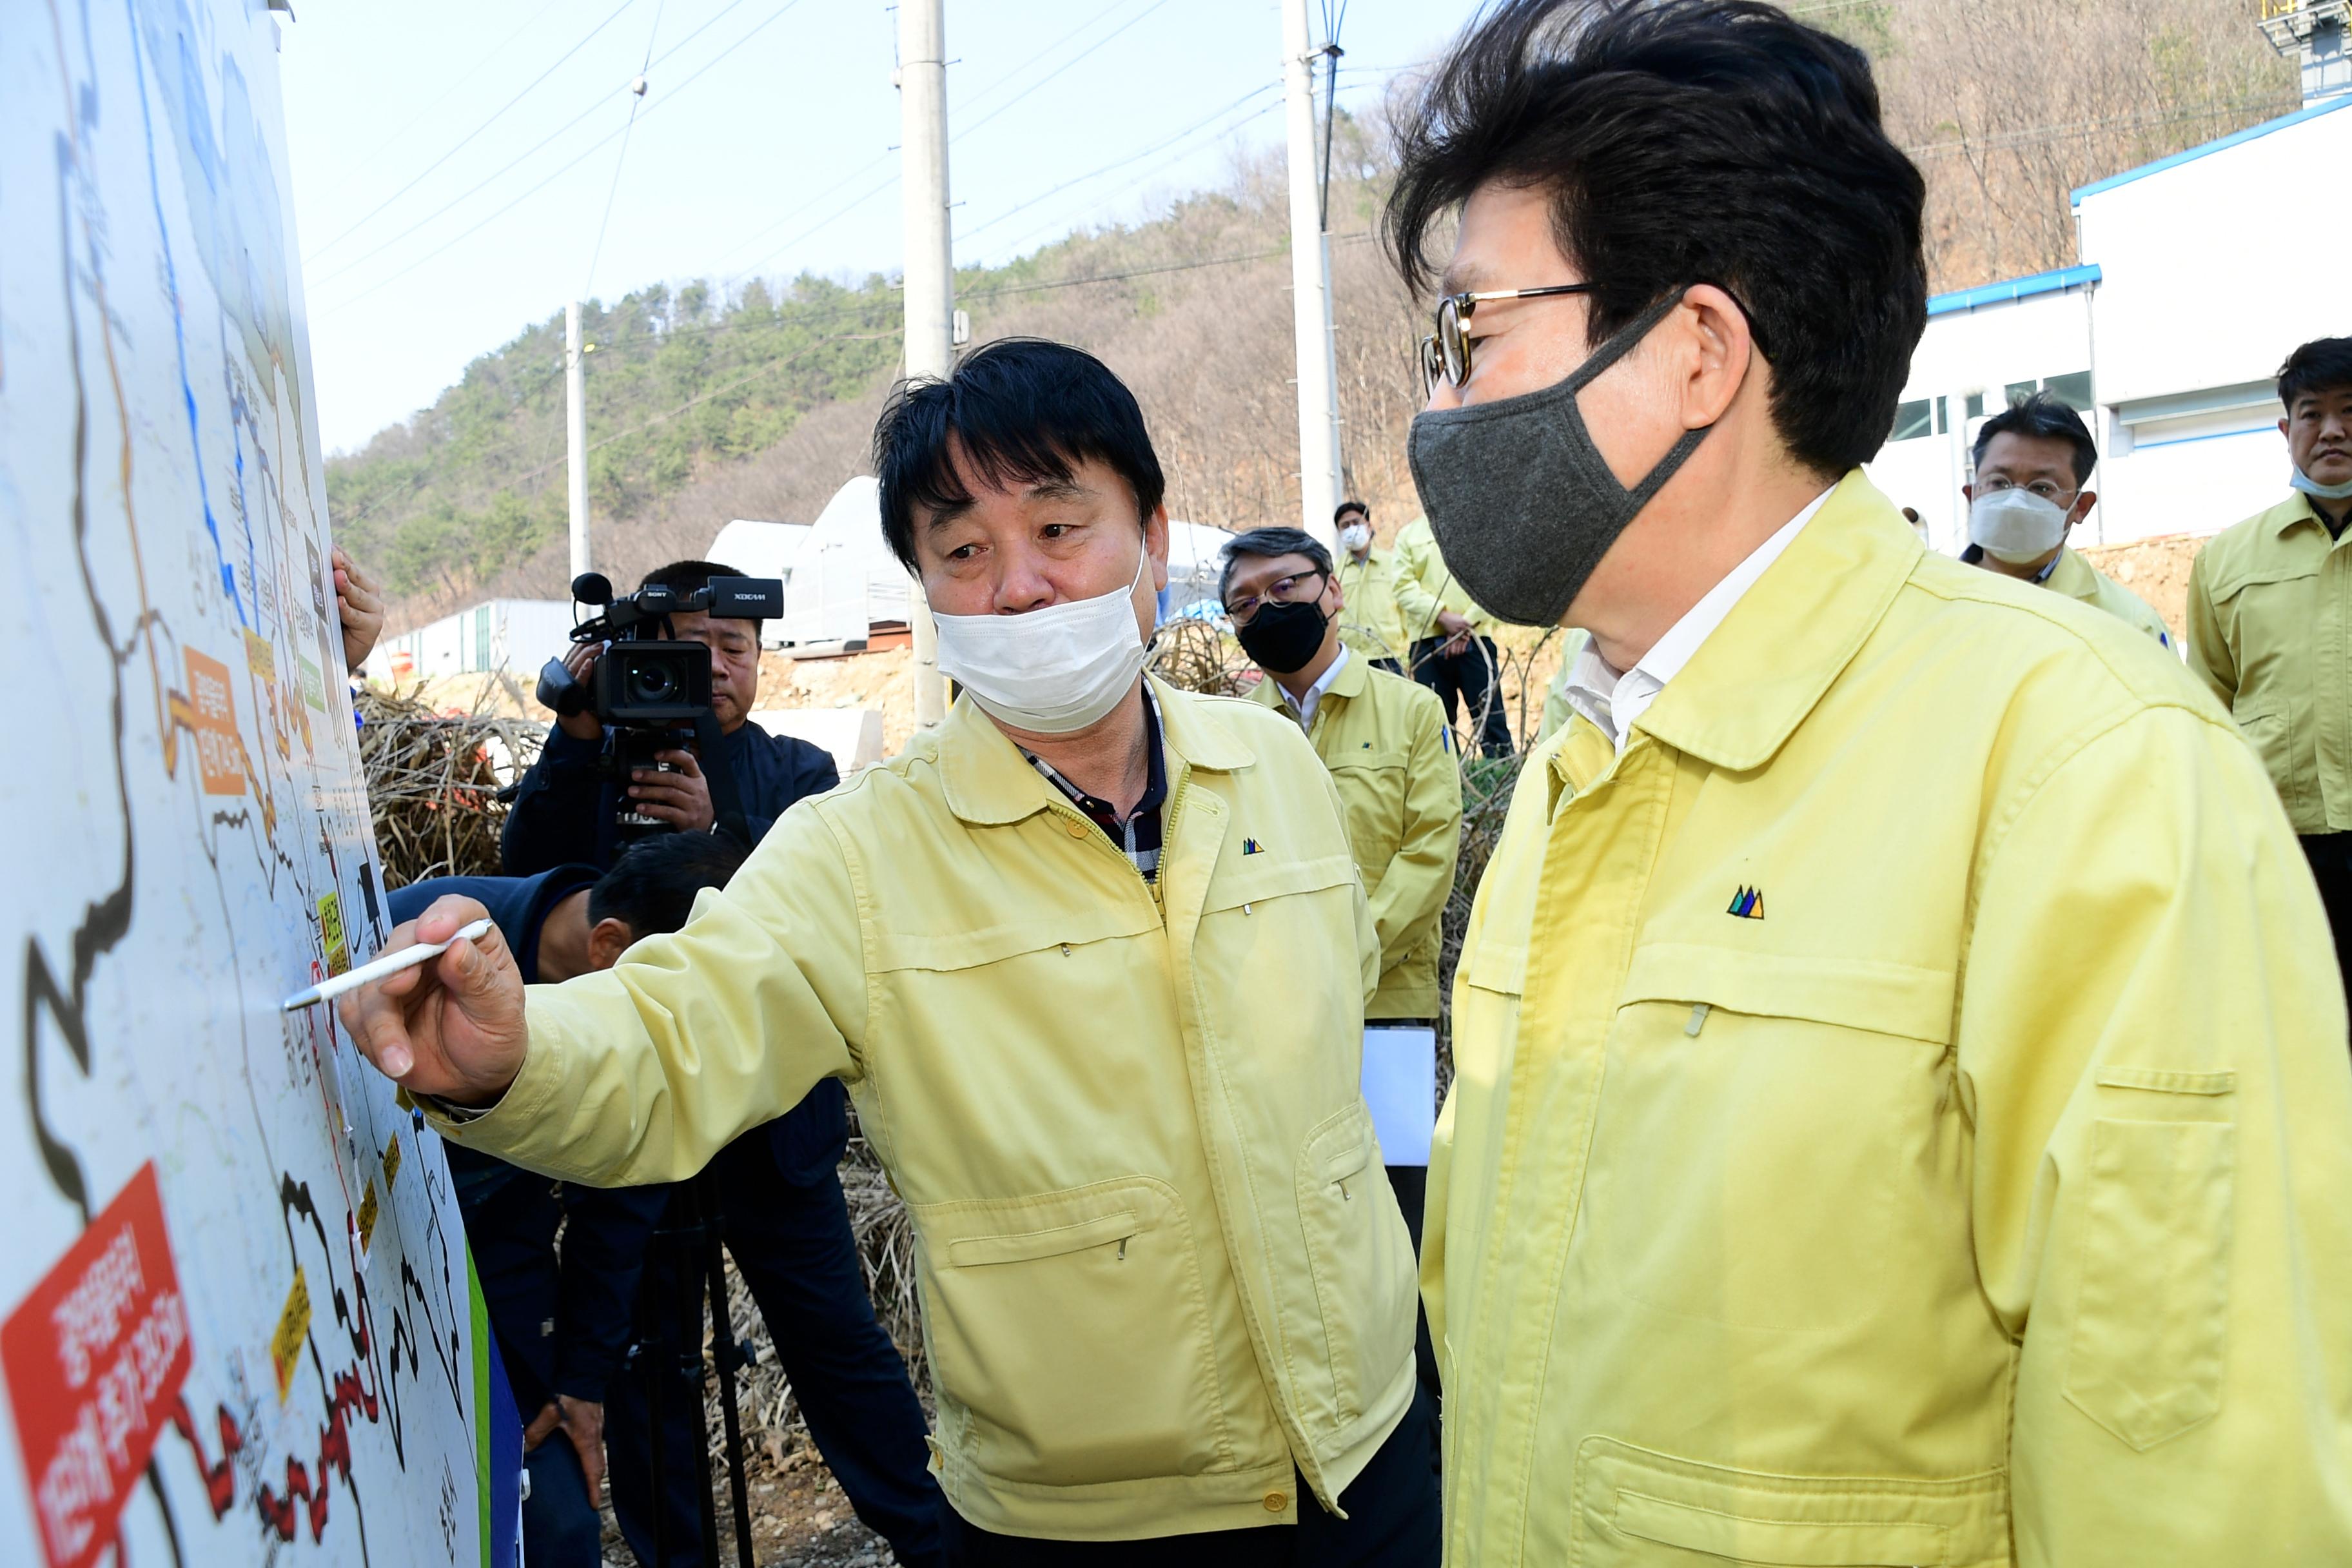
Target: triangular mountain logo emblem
(1747,904)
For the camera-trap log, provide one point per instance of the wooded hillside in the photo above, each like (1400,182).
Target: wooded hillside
(706,404)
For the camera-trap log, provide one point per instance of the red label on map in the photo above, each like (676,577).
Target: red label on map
(95,1358)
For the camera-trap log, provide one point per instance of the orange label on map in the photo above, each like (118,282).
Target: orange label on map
(259,657)
(212,707)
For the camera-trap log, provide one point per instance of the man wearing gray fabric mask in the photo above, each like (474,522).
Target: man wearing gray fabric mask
(1900,1107)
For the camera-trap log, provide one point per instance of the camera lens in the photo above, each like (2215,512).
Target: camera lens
(654,681)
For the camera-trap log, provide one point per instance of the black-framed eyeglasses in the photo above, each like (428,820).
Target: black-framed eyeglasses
(1446,352)
(1295,589)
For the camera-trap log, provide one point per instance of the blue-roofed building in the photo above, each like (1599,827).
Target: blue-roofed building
(2192,284)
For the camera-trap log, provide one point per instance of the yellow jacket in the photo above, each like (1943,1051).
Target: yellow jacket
(1370,622)
(2078,579)
(1901,1112)
(1390,753)
(1159,1260)
(2270,630)
(1424,585)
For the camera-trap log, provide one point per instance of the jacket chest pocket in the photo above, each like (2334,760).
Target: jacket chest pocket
(1760,1119)
(1069,1337)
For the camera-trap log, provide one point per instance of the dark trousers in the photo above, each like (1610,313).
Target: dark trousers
(1473,677)
(560,1528)
(1388,664)
(2330,855)
(1411,1183)
(1392,1523)
(795,1248)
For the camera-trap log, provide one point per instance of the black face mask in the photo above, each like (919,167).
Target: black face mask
(1522,502)
(1282,639)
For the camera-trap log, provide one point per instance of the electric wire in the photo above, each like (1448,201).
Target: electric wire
(636,101)
(467,140)
(859,201)
(481,63)
(510,205)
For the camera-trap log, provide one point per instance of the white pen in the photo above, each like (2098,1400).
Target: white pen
(368,974)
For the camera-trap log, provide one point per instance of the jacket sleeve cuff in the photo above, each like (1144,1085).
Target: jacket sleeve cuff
(494,1128)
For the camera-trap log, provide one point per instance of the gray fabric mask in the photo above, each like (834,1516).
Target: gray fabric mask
(1522,502)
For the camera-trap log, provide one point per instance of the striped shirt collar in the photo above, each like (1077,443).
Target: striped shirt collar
(1139,834)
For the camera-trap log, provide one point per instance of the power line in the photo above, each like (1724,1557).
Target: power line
(481,62)
(1059,69)
(1122,163)
(467,140)
(1041,54)
(636,101)
(550,178)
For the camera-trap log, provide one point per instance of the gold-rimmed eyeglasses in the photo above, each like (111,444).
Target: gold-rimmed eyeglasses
(1446,352)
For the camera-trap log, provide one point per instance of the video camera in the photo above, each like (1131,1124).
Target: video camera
(650,691)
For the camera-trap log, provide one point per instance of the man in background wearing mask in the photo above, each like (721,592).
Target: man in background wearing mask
(1374,628)
(2032,459)
(1092,957)
(2270,607)
(1451,638)
(1900,1110)
(1390,751)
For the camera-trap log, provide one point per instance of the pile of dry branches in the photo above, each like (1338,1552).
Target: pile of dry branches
(433,781)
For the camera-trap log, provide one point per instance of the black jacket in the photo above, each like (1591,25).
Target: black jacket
(562,1322)
(562,811)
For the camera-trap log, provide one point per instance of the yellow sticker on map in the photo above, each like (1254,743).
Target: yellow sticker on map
(367,1216)
(293,1327)
(331,934)
(259,657)
(392,1162)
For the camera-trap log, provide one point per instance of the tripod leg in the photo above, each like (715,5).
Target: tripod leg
(727,1351)
(690,1360)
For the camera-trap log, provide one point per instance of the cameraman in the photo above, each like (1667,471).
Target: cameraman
(786,1221)
(563,811)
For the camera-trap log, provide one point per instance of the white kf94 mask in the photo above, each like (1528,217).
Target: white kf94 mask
(1051,670)
(2016,525)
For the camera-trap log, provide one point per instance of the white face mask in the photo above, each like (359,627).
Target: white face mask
(2016,525)
(2298,480)
(1355,537)
(1052,670)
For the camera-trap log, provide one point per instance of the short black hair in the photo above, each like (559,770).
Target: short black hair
(2044,416)
(1265,545)
(1346,507)
(1025,411)
(686,576)
(1688,142)
(2322,365)
(651,888)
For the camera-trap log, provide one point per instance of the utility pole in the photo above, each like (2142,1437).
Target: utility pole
(929,273)
(575,436)
(1310,283)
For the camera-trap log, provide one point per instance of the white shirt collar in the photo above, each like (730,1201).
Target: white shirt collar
(1615,703)
(1305,706)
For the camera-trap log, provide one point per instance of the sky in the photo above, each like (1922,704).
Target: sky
(461,170)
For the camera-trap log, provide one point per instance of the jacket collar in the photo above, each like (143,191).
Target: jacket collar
(2296,508)
(2071,575)
(988,781)
(1752,683)
(1353,676)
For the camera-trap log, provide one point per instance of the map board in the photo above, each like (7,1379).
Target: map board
(236,1320)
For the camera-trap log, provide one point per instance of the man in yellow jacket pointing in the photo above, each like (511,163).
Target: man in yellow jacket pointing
(1900,1110)
(1092,960)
